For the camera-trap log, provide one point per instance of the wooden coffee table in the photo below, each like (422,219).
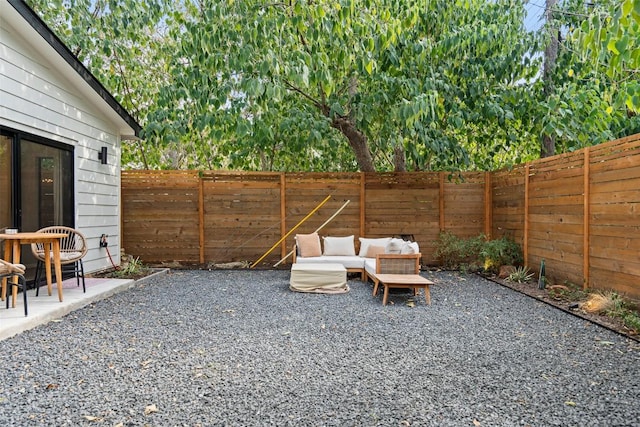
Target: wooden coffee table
(414,281)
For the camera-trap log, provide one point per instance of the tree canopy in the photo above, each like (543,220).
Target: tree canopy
(345,85)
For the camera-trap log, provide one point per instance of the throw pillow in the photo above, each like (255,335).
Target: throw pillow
(373,250)
(308,244)
(395,246)
(365,242)
(410,248)
(339,246)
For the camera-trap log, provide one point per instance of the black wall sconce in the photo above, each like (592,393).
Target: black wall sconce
(102,155)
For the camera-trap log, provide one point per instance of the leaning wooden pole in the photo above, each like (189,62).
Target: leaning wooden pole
(318,229)
(291,231)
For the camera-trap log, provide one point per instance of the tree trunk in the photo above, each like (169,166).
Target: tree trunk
(399,158)
(357,141)
(550,57)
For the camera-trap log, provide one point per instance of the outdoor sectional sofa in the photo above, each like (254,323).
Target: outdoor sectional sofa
(399,254)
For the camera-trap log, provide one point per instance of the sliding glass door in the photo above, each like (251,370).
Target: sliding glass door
(46,186)
(6,193)
(36,184)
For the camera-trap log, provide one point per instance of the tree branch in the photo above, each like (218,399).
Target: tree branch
(314,101)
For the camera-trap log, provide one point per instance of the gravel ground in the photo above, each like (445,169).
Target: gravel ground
(238,348)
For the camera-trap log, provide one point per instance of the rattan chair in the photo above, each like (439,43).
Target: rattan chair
(9,270)
(395,264)
(72,249)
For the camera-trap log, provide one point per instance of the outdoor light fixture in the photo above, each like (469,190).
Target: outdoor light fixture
(102,155)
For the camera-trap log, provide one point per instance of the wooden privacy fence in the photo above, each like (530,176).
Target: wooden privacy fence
(577,211)
(217,217)
(580,212)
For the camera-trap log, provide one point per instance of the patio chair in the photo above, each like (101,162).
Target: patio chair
(395,264)
(72,249)
(9,270)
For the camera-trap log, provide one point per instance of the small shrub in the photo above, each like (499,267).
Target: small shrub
(567,292)
(626,311)
(455,252)
(132,267)
(502,251)
(521,275)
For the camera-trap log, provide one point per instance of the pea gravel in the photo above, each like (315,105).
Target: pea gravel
(238,348)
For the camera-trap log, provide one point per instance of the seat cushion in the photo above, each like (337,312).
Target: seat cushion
(370,265)
(347,261)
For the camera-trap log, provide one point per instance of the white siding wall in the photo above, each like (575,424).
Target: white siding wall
(37,98)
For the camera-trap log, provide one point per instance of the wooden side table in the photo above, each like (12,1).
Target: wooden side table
(412,281)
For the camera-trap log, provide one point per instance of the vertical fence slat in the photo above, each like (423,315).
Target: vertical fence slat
(363,202)
(586,214)
(525,238)
(488,205)
(283,214)
(201,218)
(441,200)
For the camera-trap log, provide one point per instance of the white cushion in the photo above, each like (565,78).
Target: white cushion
(410,248)
(395,246)
(346,261)
(339,246)
(370,265)
(365,242)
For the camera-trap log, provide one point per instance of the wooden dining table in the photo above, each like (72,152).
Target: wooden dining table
(51,244)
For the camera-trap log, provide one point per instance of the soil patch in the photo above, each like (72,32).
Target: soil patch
(568,300)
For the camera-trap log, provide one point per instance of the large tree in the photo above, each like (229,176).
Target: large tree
(393,79)
(342,85)
(588,97)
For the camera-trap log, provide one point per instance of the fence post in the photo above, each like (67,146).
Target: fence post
(525,238)
(201,217)
(587,219)
(362,203)
(283,213)
(441,201)
(488,205)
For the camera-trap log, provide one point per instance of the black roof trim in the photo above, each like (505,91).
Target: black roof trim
(39,25)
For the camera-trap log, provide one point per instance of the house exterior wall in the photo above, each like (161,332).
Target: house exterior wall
(39,96)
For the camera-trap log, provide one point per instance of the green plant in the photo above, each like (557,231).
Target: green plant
(567,292)
(624,310)
(132,267)
(521,275)
(455,252)
(502,251)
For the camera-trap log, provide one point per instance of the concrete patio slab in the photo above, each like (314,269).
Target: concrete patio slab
(45,308)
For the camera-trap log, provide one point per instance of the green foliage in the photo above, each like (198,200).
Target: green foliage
(352,84)
(131,268)
(455,252)
(502,251)
(625,310)
(520,275)
(326,85)
(567,292)
(610,39)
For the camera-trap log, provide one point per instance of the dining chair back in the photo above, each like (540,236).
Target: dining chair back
(72,249)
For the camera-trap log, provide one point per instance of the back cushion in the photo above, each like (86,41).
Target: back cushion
(339,246)
(308,244)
